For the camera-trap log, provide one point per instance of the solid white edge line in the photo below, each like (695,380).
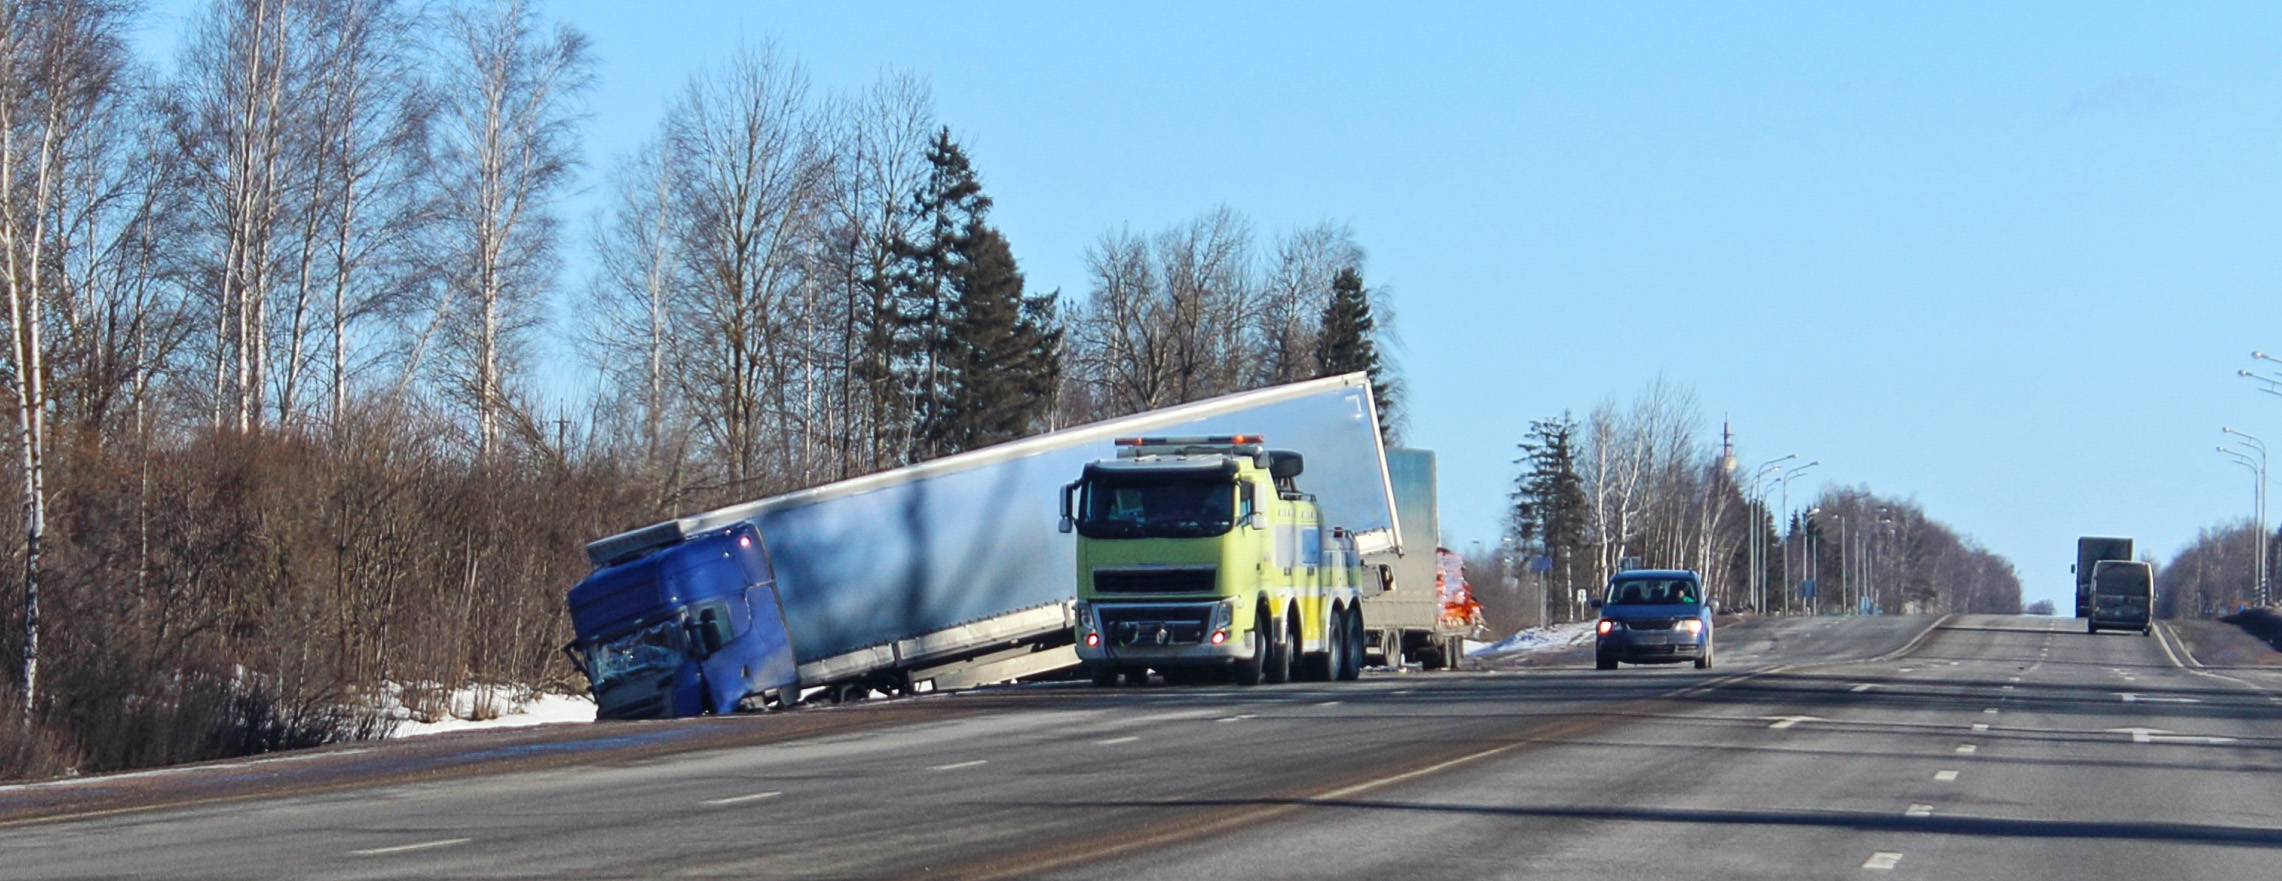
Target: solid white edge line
(407,848)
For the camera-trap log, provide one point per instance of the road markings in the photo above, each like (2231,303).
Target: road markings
(1907,670)
(1944,776)
(1865,687)
(2006,687)
(2133,697)
(1117,740)
(2016,679)
(1788,721)
(1919,811)
(957,765)
(741,799)
(1884,859)
(408,848)
(1980,726)
(1966,749)
(1328,704)
(1237,716)
(1989,711)
(2158,735)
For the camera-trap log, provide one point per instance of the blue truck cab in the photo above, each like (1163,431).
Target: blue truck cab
(683,630)
(1653,616)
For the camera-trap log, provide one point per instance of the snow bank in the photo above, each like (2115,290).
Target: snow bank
(1558,637)
(477,707)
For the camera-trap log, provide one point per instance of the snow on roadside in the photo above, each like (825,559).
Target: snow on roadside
(509,706)
(1558,637)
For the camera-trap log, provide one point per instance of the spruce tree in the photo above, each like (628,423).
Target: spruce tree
(1347,341)
(1004,357)
(1550,508)
(948,206)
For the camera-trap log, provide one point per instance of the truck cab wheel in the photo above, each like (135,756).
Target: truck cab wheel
(1137,676)
(1104,675)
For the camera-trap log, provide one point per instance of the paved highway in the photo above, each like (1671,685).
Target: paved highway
(1979,747)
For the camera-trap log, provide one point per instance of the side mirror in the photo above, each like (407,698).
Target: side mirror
(1256,520)
(1594,603)
(1711,606)
(1065,525)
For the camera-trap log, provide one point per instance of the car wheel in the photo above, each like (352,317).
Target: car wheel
(1604,662)
(1704,661)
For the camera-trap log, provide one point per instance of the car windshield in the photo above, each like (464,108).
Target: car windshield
(1652,592)
(654,648)
(1138,506)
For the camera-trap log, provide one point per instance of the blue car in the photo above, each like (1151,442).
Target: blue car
(1654,616)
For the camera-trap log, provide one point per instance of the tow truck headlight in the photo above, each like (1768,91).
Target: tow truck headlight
(1691,625)
(1607,625)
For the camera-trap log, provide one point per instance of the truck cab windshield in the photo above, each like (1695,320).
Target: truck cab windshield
(1148,506)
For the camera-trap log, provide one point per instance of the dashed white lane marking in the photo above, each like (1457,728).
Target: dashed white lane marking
(1944,776)
(2006,687)
(1884,859)
(1126,739)
(2158,735)
(2016,679)
(957,765)
(1919,811)
(1328,704)
(1788,721)
(1966,749)
(2131,697)
(1865,686)
(741,799)
(1907,670)
(408,848)
(1237,716)
(1980,726)
(1990,711)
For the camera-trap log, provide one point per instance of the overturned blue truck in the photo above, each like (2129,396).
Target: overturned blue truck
(944,574)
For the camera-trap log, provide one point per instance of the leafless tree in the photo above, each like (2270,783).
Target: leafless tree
(509,98)
(1293,295)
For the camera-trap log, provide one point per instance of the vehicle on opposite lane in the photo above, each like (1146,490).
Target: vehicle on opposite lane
(1653,616)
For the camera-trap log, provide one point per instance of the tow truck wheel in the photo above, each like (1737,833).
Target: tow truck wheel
(1320,666)
(1347,664)
(1280,659)
(1104,675)
(1247,671)
(1137,676)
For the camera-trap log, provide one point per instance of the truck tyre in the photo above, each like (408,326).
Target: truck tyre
(1350,648)
(2090,627)
(1454,653)
(1137,676)
(1247,671)
(1390,647)
(1280,658)
(2149,630)
(1104,675)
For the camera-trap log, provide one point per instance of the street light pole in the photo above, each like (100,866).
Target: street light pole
(2258,490)
(2259,595)
(1790,603)
(1756,545)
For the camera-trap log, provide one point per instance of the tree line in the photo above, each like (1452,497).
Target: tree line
(276,312)
(1639,484)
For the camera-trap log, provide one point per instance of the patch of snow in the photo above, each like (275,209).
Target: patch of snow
(1558,637)
(463,709)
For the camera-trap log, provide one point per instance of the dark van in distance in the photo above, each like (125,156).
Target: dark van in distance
(1654,616)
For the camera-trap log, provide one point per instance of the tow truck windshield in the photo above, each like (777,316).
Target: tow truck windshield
(1149,506)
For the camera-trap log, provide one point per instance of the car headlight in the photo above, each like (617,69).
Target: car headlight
(1607,625)
(1692,625)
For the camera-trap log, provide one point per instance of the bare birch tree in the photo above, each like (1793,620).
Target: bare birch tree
(509,93)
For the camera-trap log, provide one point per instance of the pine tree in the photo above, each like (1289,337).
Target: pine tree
(1550,508)
(1347,342)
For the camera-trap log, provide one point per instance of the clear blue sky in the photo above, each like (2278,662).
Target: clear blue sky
(2005,262)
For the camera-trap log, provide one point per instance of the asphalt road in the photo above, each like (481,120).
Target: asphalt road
(1987,747)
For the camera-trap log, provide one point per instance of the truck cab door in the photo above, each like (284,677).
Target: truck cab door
(758,656)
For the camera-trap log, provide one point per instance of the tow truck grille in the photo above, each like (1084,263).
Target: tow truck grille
(1196,579)
(1156,625)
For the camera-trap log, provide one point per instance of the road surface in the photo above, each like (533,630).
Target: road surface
(1989,747)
